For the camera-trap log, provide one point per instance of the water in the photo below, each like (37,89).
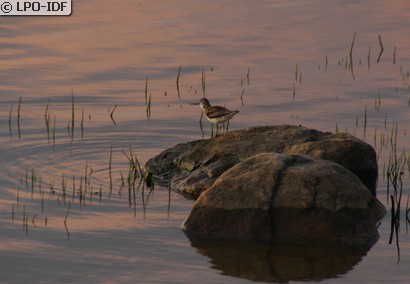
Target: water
(104,54)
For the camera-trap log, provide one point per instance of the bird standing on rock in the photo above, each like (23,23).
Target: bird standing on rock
(216,114)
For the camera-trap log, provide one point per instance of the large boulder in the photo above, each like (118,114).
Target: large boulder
(278,197)
(194,166)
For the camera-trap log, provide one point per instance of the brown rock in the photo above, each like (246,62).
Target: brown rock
(194,166)
(276,197)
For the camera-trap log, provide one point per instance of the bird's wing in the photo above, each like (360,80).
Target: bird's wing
(217,111)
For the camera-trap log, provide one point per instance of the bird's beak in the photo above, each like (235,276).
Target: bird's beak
(194,104)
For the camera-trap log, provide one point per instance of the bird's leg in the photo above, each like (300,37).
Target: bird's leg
(217,128)
(223,127)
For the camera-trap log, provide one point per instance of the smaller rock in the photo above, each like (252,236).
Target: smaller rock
(278,197)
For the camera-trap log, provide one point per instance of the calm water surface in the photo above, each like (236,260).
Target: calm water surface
(289,61)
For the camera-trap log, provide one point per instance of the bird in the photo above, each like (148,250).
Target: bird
(216,114)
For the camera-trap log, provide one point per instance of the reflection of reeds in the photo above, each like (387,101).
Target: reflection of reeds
(394,173)
(66,213)
(381,49)
(112,113)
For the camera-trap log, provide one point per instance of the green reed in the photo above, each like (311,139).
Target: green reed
(64,188)
(12,213)
(24,216)
(368,57)
(247,75)
(134,167)
(377,103)
(395,171)
(39,184)
(351,51)
(72,114)
(375,137)
(47,119)
(33,181)
(148,108)
(26,176)
(177,81)
(74,189)
(11,111)
(296,71)
(146,90)
(82,123)
(80,190)
(18,197)
(86,181)
(203,81)
(385,121)
(18,117)
(18,109)
(243,91)
(110,171)
(394,55)
(51,186)
(54,131)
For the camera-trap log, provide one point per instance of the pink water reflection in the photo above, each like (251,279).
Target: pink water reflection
(105,52)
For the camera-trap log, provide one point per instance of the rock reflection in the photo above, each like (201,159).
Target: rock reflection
(280,262)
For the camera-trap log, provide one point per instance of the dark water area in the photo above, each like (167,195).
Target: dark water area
(277,62)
